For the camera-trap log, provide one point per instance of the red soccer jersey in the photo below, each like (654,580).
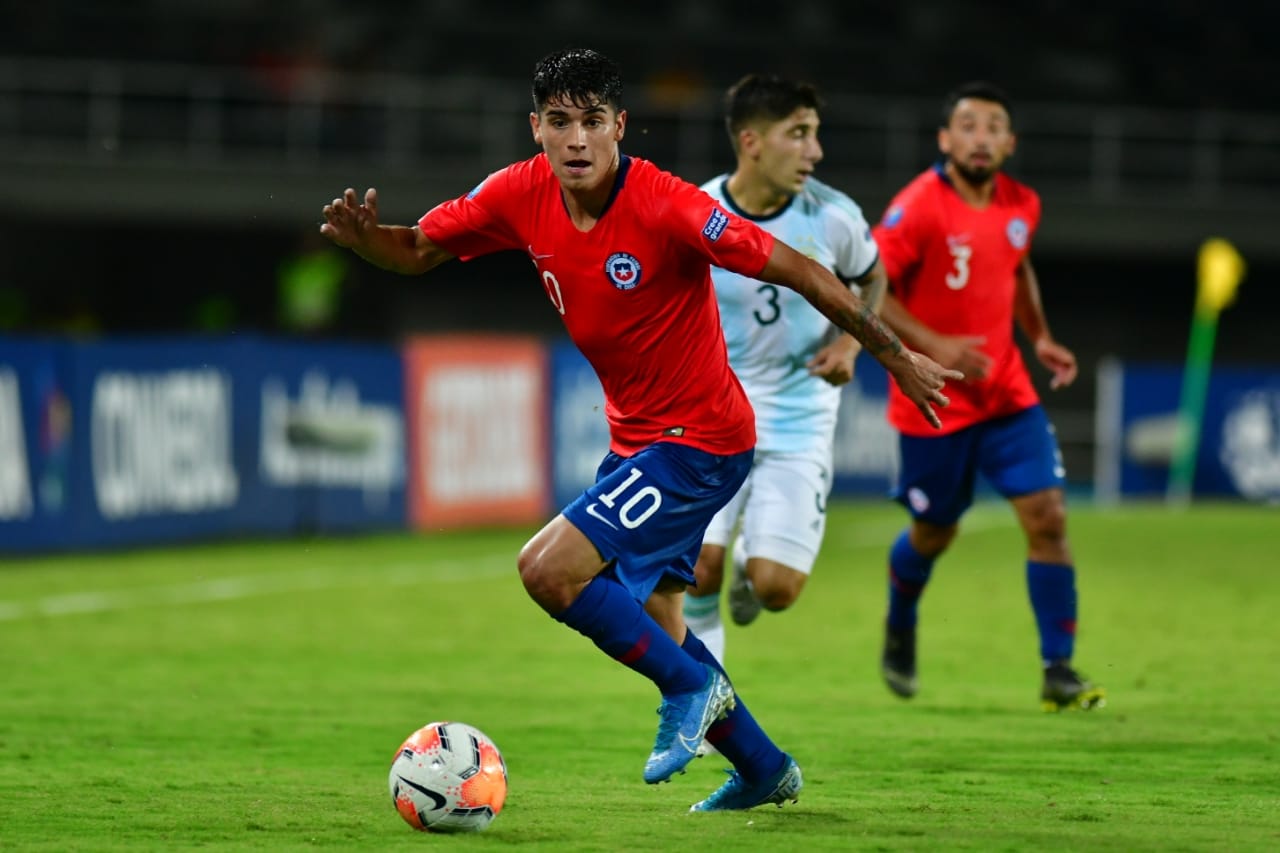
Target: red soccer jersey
(634,292)
(953,267)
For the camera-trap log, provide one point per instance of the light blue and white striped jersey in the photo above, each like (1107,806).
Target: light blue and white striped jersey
(772,331)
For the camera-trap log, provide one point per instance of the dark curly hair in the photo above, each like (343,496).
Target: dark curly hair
(979,90)
(582,76)
(768,97)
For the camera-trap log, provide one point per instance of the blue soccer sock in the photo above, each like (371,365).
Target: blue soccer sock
(909,571)
(738,736)
(1053,599)
(607,614)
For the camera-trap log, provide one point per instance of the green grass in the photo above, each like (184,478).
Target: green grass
(250,696)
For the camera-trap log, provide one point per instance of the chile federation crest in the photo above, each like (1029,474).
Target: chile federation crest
(623,270)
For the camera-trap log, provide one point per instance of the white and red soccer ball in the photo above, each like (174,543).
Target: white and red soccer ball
(448,777)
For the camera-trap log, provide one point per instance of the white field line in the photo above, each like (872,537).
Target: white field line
(403,574)
(247,586)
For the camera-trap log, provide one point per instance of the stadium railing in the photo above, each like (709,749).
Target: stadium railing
(232,124)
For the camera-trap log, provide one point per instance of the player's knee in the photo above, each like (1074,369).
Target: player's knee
(1044,519)
(777,600)
(930,540)
(780,589)
(527,563)
(1046,522)
(543,584)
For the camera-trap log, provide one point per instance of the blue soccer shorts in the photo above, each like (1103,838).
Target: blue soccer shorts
(647,513)
(1018,454)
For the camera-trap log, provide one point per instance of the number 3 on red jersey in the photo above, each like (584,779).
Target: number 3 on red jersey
(959,275)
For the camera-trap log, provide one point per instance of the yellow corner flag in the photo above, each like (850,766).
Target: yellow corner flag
(1220,269)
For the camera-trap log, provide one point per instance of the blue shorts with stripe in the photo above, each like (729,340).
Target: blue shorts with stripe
(1018,454)
(647,513)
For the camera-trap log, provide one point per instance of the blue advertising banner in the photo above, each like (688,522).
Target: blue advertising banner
(153,440)
(35,445)
(1239,453)
(165,439)
(326,427)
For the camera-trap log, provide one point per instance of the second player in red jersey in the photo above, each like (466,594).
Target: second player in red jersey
(954,267)
(956,244)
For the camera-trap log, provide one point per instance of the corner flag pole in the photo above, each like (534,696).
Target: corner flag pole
(1219,272)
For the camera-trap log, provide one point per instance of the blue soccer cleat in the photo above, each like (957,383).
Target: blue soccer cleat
(736,794)
(685,720)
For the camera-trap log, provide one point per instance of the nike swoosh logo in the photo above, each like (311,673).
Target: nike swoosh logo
(684,741)
(536,256)
(439,801)
(595,513)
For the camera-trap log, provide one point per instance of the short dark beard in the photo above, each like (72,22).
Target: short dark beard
(974,177)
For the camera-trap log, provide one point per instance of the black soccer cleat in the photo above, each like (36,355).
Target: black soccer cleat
(1065,689)
(898,661)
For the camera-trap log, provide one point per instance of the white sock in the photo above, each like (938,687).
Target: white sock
(702,615)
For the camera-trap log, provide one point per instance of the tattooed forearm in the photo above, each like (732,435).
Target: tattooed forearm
(870,330)
(834,299)
(855,316)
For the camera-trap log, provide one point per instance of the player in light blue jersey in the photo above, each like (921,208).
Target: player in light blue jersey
(790,359)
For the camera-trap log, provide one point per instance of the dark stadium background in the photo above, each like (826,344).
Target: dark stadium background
(160,158)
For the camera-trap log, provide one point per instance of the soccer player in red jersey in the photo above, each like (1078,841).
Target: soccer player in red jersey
(624,253)
(956,244)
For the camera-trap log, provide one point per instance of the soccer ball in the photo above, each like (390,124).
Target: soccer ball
(448,777)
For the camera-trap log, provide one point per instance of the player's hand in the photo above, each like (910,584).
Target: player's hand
(963,353)
(347,222)
(834,362)
(921,379)
(1060,360)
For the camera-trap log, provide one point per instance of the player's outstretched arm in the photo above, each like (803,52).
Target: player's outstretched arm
(397,248)
(918,376)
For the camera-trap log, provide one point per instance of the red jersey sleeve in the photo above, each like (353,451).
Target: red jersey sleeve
(477,223)
(897,237)
(725,239)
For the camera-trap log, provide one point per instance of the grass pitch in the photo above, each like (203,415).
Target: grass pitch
(250,697)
